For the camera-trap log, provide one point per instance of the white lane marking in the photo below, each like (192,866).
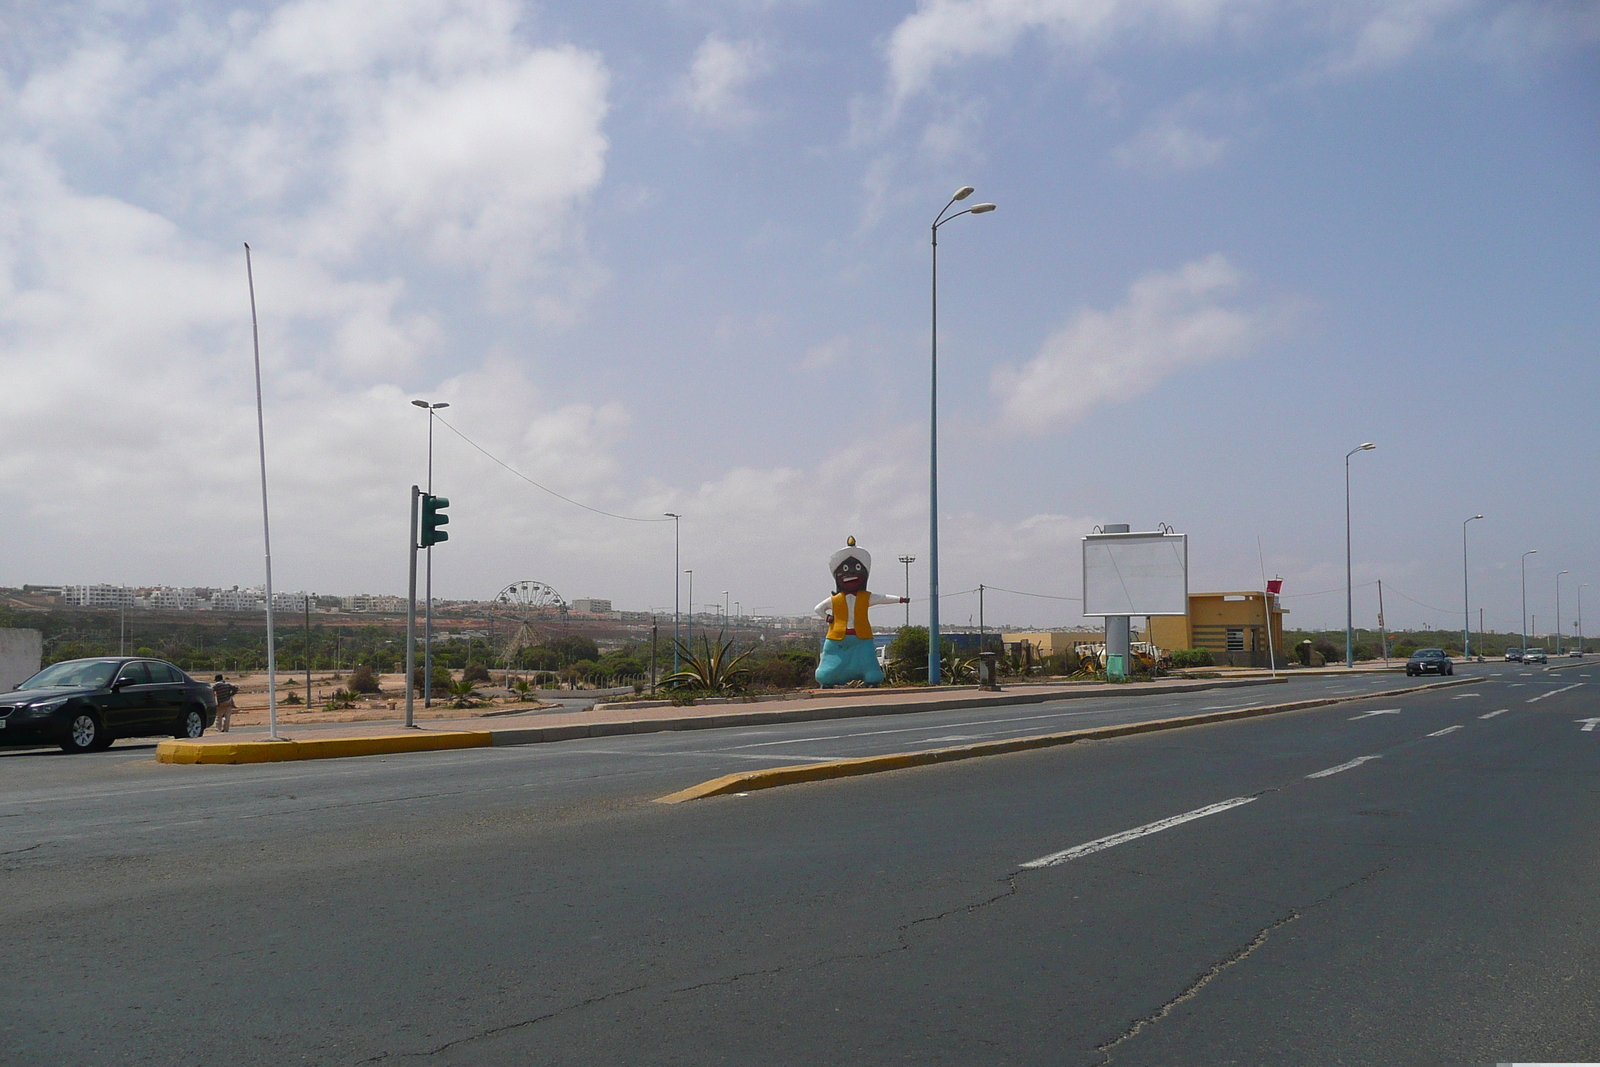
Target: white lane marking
(1465,696)
(1078,851)
(1358,761)
(1492,714)
(1379,711)
(1446,730)
(1588,724)
(955,737)
(1553,692)
(1498,674)
(1518,685)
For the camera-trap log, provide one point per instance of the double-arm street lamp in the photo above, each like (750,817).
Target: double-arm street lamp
(1466,601)
(1349,597)
(908,561)
(1525,555)
(427,626)
(933,435)
(1558,610)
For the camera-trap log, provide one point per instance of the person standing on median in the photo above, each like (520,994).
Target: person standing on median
(225,707)
(848,652)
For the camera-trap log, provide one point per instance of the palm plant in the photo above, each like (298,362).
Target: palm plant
(523,688)
(461,694)
(713,669)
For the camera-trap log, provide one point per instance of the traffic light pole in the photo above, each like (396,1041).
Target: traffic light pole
(411,614)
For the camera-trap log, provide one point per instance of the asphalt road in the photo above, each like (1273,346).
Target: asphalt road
(1429,900)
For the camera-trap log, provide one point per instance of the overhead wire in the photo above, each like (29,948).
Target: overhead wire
(545,488)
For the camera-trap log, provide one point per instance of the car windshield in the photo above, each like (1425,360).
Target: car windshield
(93,673)
(1428,653)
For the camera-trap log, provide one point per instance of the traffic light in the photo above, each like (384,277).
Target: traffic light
(433,517)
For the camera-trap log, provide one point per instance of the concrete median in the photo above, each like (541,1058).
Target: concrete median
(199,751)
(749,781)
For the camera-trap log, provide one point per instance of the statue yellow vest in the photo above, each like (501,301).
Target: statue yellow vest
(862,628)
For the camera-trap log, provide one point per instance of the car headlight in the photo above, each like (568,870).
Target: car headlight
(48,705)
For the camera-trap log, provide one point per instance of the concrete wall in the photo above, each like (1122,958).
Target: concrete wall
(20,653)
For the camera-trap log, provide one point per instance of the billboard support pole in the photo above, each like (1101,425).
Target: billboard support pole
(1118,641)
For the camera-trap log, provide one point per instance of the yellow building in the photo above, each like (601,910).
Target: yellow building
(1233,626)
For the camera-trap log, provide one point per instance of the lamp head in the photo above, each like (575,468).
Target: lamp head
(419,403)
(436,406)
(979,209)
(1368,446)
(964,192)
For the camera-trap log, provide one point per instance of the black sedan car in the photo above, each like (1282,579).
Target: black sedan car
(85,704)
(1430,660)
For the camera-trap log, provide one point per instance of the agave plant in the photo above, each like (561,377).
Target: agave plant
(713,669)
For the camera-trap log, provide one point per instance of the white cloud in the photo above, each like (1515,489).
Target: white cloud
(942,33)
(713,90)
(1169,322)
(1168,144)
(1354,35)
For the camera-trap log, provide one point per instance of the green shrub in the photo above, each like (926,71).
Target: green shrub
(362,680)
(1192,657)
(475,672)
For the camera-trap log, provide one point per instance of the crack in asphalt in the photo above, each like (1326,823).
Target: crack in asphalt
(15,851)
(495,1031)
(1236,956)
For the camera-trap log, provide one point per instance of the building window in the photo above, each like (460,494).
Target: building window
(1235,639)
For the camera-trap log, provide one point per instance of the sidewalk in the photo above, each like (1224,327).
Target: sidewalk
(334,740)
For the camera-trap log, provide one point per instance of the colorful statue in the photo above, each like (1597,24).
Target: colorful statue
(848,652)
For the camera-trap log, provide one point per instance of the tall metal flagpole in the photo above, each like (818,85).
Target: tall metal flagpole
(266,526)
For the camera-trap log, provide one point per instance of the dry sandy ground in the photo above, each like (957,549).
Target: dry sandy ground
(252,700)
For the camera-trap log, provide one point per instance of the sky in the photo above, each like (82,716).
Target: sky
(674,256)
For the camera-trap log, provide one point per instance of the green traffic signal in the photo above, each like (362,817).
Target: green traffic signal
(433,517)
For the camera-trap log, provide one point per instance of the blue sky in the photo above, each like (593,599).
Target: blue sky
(674,257)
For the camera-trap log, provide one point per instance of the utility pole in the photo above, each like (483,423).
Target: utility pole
(306,603)
(1383,628)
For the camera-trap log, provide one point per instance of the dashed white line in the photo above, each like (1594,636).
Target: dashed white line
(1492,714)
(1099,843)
(1465,696)
(1358,761)
(1553,692)
(1446,730)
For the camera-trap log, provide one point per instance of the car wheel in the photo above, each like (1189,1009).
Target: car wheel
(193,724)
(1450,670)
(85,733)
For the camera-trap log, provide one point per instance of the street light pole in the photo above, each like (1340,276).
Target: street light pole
(1349,595)
(1558,610)
(725,609)
(677,583)
(427,624)
(1580,616)
(933,434)
(908,561)
(690,573)
(1466,602)
(1525,555)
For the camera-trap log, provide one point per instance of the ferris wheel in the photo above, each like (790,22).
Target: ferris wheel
(526,608)
(531,598)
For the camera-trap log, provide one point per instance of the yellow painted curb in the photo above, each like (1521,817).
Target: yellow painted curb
(749,781)
(185,751)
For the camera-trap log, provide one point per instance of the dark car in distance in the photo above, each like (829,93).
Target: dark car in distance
(1513,655)
(1430,661)
(85,704)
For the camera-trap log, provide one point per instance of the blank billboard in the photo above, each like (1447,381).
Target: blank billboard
(1136,574)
